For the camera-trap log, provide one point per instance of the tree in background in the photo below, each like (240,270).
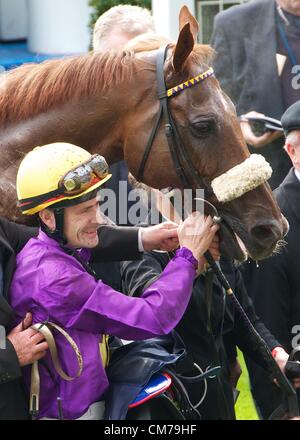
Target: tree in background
(100,6)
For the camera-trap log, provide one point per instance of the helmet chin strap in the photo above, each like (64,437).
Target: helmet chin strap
(58,233)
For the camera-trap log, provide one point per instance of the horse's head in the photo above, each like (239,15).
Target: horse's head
(108,103)
(210,144)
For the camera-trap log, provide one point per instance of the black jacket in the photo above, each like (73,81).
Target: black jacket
(203,336)
(12,397)
(244,38)
(115,244)
(275,289)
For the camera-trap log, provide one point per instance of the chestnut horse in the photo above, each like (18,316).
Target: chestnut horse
(107,103)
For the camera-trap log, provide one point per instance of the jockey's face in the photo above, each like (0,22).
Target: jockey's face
(292,6)
(81,223)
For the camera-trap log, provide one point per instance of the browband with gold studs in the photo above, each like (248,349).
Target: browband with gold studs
(190,82)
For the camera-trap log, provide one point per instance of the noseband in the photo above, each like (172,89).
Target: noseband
(182,161)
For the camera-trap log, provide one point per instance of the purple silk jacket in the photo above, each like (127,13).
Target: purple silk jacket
(54,286)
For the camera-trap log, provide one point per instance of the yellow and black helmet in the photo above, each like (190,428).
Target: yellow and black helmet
(54,173)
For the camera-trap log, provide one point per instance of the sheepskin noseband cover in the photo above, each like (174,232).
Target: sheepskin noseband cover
(242,178)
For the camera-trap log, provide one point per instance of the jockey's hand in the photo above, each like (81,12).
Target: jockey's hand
(29,344)
(257,141)
(163,236)
(281,358)
(197,234)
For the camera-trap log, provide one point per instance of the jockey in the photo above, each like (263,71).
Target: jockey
(59,182)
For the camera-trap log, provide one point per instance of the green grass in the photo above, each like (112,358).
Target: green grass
(245,409)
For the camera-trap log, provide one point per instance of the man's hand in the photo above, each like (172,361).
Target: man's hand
(257,141)
(163,236)
(29,344)
(281,358)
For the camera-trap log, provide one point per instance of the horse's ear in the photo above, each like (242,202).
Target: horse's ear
(186,17)
(184,47)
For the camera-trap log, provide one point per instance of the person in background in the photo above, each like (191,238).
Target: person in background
(257,63)
(112,31)
(21,345)
(275,284)
(119,24)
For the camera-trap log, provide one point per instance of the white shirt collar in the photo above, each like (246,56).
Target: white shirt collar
(297,173)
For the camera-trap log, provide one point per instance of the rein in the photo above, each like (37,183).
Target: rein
(180,157)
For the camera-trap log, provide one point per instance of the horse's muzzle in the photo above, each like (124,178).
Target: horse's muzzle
(266,235)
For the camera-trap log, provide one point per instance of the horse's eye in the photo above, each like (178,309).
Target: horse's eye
(202,129)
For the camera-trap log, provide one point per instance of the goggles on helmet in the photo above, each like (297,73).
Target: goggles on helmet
(83,176)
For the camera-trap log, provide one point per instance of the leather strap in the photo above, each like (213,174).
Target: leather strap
(182,161)
(45,329)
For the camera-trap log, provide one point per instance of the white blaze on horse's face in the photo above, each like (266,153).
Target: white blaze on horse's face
(227,107)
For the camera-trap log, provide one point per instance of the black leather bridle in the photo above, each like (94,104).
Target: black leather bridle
(182,161)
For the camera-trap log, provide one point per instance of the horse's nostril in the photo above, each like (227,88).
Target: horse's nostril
(263,232)
(267,234)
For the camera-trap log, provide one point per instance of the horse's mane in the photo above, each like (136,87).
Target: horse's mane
(34,88)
